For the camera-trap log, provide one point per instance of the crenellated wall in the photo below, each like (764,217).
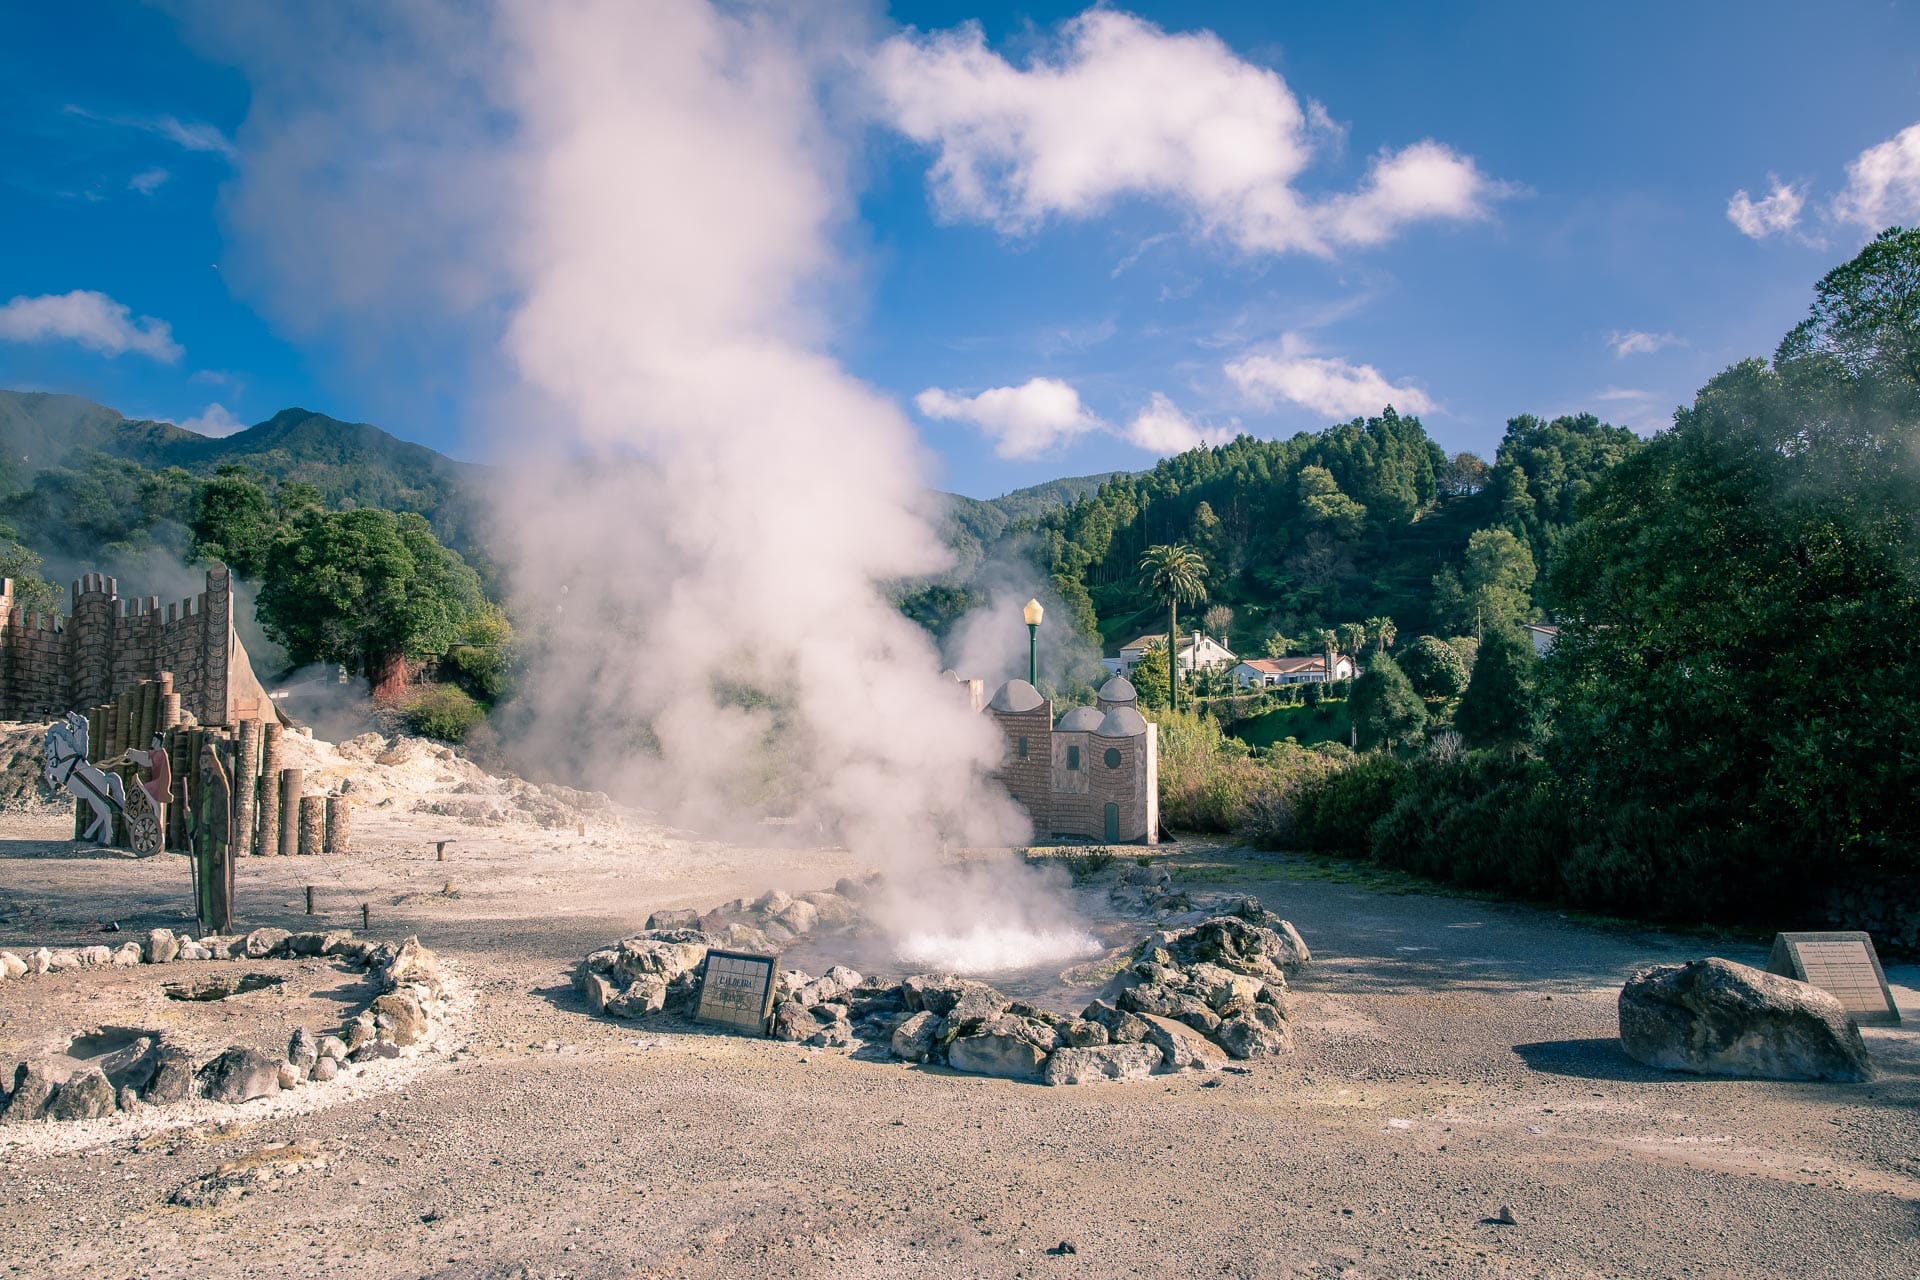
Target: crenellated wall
(50,666)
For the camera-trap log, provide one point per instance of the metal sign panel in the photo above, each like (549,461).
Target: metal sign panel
(1844,965)
(737,990)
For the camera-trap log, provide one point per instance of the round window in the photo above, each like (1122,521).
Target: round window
(1113,757)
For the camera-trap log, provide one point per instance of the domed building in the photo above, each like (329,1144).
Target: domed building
(1094,775)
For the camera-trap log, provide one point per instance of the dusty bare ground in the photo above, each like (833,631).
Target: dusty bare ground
(1455,1056)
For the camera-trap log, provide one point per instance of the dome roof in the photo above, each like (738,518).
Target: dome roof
(1080,720)
(1122,722)
(1015,696)
(1118,689)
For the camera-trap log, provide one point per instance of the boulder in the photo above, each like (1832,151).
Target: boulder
(598,991)
(290,1075)
(914,1039)
(318,943)
(874,998)
(1122,1027)
(958,1000)
(792,1022)
(62,960)
(678,918)
(191,950)
(162,946)
(847,978)
(1714,1017)
(85,1096)
(40,961)
(772,902)
(412,963)
(744,937)
(1102,1062)
(1292,954)
(129,954)
(799,916)
(324,1069)
(32,1094)
(831,910)
(831,1027)
(997,1049)
(262,943)
(129,1098)
(94,957)
(1181,1047)
(646,994)
(333,1047)
(375,1049)
(172,1078)
(11,965)
(239,1075)
(1251,1029)
(303,1049)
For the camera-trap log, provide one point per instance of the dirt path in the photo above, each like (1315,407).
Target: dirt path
(1455,1056)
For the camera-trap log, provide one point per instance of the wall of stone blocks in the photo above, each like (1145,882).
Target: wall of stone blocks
(1030,780)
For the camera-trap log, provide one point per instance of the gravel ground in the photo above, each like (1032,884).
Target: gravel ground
(1455,1057)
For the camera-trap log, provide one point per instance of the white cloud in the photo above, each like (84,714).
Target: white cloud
(1638,342)
(1123,109)
(1325,384)
(1883,183)
(91,319)
(1776,213)
(188,135)
(148,181)
(214,421)
(1023,421)
(1163,429)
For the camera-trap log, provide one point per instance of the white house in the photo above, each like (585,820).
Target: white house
(1543,636)
(1265,672)
(1196,652)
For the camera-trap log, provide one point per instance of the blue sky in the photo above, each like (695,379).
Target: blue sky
(1581,191)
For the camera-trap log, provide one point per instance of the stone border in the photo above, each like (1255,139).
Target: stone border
(1190,998)
(407,1012)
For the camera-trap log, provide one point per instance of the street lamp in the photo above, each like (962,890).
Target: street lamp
(1032,613)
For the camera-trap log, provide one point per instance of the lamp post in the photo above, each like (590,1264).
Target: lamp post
(1033,613)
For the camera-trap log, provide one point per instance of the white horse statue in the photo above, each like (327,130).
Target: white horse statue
(67,767)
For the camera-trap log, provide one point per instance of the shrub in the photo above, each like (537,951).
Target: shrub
(1479,819)
(1385,708)
(1085,866)
(444,712)
(1502,706)
(1435,668)
(1336,813)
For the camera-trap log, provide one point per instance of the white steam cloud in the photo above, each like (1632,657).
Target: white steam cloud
(630,213)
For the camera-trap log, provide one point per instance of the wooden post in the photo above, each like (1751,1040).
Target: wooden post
(179,812)
(363,917)
(266,842)
(292,783)
(339,825)
(313,824)
(246,787)
(309,899)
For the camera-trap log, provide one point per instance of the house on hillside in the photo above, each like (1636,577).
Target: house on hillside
(1261,673)
(1543,636)
(1197,653)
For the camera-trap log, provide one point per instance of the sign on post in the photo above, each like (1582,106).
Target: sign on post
(1842,964)
(737,990)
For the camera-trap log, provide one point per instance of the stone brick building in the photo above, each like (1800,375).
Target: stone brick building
(1094,775)
(50,666)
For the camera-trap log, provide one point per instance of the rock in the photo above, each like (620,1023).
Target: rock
(32,1094)
(667,955)
(998,1049)
(358,1032)
(1102,1062)
(219,948)
(85,1096)
(873,998)
(400,1015)
(1220,987)
(799,916)
(854,890)
(1167,1002)
(847,978)
(128,1098)
(62,960)
(1122,1027)
(682,918)
(172,1078)
(1292,954)
(831,1027)
(328,942)
(1079,1033)
(831,910)
(375,1049)
(1505,1217)
(598,991)
(1255,1030)
(11,965)
(262,943)
(162,946)
(958,1000)
(95,957)
(1181,1047)
(647,993)
(303,1049)
(792,1022)
(914,1039)
(333,1047)
(744,937)
(190,950)
(772,902)
(239,1075)
(324,1070)
(40,961)
(411,963)
(1714,1017)
(819,991)
(131,1064)
(290,1075)
(128,954)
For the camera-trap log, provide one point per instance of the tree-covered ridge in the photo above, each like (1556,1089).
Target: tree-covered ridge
(1355,521)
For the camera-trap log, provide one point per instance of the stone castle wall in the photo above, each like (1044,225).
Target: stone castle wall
(50,666)
(1065,783)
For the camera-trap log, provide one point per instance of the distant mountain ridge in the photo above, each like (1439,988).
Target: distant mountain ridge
(359,464)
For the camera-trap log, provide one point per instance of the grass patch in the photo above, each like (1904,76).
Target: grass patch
(1327,722)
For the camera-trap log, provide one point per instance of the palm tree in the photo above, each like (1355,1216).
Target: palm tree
(1353,637)
(1381,629)
(1329,642)
(1174,572)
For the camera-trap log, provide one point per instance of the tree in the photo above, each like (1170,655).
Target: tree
(484,654)
(1149,677)
(367,589)
(31,592)
(1383,633)
(1324,504)
(1386,709)
(1502,705)
(1866,312)
(1498,580)
(1174,573)
(1434,668)
(1328,641)
(1279,645)
(1218,621)
(1353,638)
(1465,474)
(234,521)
